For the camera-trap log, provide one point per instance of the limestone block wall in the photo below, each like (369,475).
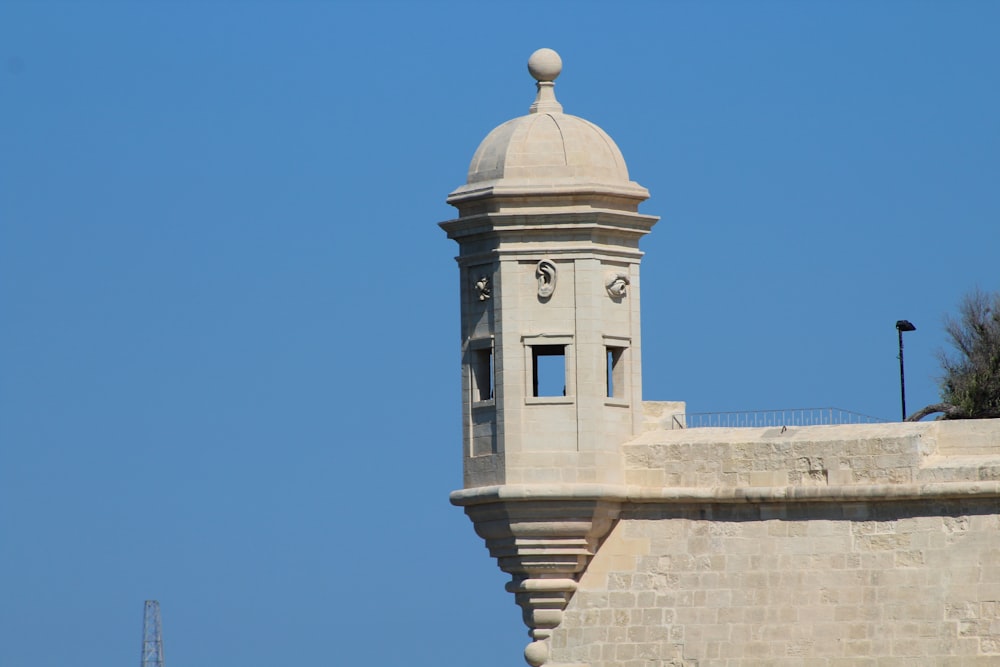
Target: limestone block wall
(837,545)
(816,584)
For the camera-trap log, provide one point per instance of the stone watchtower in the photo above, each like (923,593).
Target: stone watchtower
(548,231)
(633,541)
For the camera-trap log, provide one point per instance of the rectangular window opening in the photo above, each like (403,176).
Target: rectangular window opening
(548,370)
(482,374)
(616,372)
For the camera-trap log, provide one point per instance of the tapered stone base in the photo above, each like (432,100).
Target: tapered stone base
(545,544)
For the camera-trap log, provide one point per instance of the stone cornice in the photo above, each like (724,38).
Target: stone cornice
(570,252)
(532,190)
(584,220)
(743,494)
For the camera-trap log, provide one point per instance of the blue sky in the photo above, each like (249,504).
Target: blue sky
(229,344)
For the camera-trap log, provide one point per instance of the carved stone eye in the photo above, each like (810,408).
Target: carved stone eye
(617,283)
(545,272)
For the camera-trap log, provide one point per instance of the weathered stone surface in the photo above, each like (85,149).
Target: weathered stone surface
(819,545)
(816,583)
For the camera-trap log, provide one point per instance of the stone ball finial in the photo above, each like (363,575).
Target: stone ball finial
(536,653)
(545,65)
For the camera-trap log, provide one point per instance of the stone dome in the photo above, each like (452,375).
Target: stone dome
(547,149)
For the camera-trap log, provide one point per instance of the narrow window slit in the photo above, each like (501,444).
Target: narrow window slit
(616,371)
(482,374)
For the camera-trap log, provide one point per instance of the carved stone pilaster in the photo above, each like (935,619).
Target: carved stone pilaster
(544,544)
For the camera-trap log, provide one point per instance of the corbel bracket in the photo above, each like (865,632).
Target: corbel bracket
(545,544)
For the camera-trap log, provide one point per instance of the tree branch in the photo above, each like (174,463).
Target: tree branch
(950,412)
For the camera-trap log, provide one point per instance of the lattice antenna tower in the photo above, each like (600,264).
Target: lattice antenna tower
(152,635)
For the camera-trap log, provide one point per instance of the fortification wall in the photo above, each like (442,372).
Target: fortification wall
(834,545)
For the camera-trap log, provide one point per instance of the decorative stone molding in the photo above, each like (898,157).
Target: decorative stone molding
(545,272)
(545,543)
(616,283)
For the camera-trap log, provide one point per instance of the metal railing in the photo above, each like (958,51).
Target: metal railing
(765,418)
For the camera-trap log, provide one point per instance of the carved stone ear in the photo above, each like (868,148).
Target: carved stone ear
(545,272)
(616,283)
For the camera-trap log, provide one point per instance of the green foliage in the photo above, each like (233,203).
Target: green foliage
(971,381)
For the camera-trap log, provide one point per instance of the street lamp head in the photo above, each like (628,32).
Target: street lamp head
(904,325)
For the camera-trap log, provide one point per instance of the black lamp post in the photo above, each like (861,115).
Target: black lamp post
(901,326)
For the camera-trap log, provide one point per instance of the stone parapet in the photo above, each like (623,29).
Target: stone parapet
(894,459)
